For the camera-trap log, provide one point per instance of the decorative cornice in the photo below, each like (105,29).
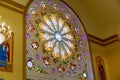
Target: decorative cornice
(12,6)
(103,42)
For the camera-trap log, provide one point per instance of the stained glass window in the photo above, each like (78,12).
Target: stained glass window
(56,43)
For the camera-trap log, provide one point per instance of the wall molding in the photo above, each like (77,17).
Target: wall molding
(12,5)
(103,42)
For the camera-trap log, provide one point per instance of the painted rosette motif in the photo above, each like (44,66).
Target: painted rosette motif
(56,43)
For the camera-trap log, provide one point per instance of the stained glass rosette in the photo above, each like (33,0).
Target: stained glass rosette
(56,35)
(56,43)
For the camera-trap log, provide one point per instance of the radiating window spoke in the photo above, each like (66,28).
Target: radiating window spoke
(67,45)
(62,35)
(46,32)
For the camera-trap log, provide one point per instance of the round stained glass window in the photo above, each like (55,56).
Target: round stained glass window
(55,33)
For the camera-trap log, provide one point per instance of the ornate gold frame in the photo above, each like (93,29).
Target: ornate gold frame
(9,67)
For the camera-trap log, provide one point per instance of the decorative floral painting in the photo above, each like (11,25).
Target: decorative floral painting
(101,68)
(56,43)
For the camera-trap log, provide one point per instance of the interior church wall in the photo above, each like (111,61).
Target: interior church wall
(110,30)
(15,21)
(109,53)
(98,50)
(113,57)
(91,28)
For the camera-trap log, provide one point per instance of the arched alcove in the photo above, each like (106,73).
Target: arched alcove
(56,43)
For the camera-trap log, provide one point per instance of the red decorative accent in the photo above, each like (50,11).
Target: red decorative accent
(60,69)
(46,62)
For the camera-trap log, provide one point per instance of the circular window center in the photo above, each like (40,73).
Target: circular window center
(58,36)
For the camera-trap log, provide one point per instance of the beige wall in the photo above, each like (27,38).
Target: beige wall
(113,57)
(15,20)
(98,50)
(110,30)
